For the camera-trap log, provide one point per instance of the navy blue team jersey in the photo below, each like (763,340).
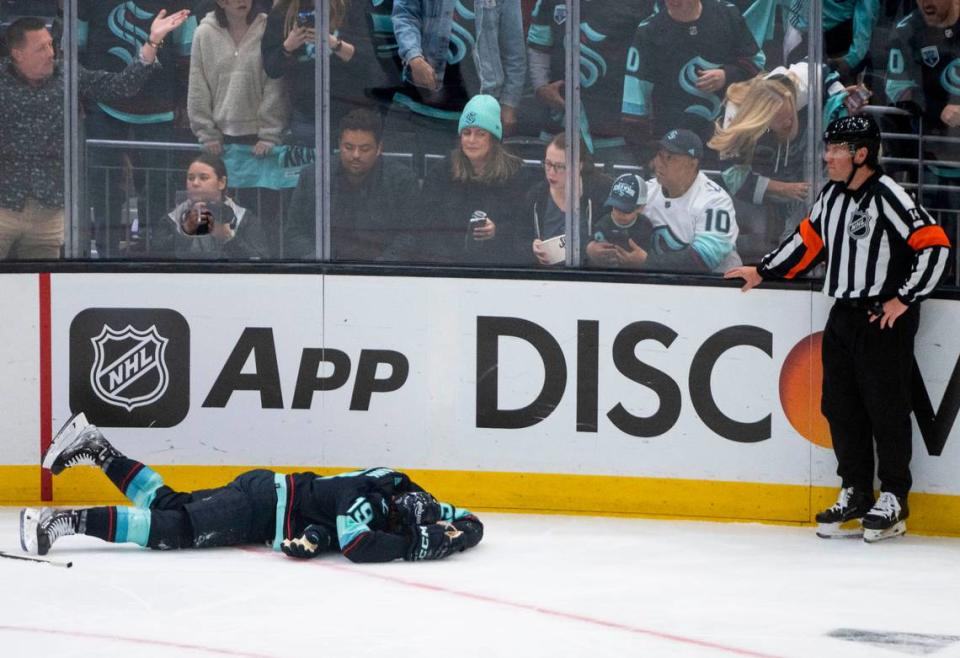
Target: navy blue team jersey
(606,32)
(111,34)
(354,507)
(667,57)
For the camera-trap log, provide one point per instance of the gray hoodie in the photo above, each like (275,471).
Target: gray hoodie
(230,93)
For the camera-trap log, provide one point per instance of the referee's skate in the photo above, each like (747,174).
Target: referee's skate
(887,518)
(843,518)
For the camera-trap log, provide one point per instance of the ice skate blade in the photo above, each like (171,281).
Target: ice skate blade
(69,433)
(845,529)
(872,536)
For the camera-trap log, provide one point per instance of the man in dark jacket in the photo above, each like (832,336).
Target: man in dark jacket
(31,129)
(373,515)
(371,199)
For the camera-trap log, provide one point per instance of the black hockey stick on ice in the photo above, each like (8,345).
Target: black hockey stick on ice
(53,563)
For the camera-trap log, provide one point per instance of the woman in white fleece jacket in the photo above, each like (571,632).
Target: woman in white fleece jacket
(231,99)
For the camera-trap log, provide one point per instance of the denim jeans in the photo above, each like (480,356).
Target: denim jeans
(500,54)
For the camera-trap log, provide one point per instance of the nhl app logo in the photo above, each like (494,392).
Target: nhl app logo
(130,367)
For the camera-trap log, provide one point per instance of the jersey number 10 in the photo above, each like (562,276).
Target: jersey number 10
(723,221)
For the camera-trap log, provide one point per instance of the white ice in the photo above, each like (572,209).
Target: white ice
(554,586)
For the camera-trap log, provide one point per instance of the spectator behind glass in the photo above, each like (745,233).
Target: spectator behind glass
(372,199)
(110,32)
(50,10)
(469,211)
(606,31)
(547,202)
(621,237)
(678,67)
(31,129)
(426,49)
(694,222)
(764,133)
(203,7)
(923,77)
(208,224)
(499,56)
(847,29)
(233,101)
(289,52)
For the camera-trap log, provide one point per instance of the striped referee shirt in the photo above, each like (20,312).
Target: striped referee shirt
(876,241)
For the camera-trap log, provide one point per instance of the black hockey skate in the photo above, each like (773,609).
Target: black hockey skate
(843,518)
(887,519)
(40,527)
(77,442)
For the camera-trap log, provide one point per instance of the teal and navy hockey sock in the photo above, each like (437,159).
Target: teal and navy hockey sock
(135,480)
(161,530)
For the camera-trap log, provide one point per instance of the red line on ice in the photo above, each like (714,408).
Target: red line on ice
(132,640)
(538,609)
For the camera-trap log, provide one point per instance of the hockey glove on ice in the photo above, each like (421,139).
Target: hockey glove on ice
(433,542)
(417,508)
(314,540)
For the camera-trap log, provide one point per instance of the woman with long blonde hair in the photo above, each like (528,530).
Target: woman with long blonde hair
(762,138)
(764,108)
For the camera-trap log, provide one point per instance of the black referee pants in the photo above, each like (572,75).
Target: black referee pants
(866,396)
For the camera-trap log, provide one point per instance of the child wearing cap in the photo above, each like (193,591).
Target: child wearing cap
(618,238)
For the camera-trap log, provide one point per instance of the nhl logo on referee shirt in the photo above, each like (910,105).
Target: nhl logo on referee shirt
(130,367)
(859,226)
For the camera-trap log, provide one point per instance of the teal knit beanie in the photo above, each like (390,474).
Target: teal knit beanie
(483,111)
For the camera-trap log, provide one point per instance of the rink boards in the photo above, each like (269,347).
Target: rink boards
(564,396)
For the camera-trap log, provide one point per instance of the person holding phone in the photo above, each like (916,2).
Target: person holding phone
(618,238)
(207,224)
(478,175)
(290,53)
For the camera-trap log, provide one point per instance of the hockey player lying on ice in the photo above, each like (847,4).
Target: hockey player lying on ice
(374,515)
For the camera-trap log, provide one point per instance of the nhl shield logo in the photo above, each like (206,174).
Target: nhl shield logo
(129,369)
(930,55)
(560,14)
(859,226)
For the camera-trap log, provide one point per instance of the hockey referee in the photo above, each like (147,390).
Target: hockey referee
(883,254)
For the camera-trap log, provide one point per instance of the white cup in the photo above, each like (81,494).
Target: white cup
(556,249)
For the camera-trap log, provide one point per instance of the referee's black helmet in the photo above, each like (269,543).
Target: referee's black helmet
(858,132)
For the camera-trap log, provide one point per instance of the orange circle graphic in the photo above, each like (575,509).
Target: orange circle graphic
(801,382)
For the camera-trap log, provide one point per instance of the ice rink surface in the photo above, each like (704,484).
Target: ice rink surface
(556,586)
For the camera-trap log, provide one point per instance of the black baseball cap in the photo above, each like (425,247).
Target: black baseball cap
(684,142)
(627,192)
